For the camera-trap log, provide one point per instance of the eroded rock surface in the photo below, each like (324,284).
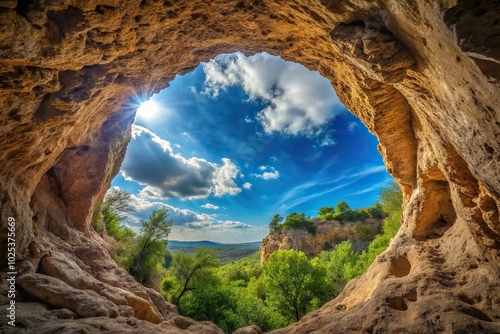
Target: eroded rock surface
(329,233)
(422,75)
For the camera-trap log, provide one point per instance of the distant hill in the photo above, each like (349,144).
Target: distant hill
(226,252)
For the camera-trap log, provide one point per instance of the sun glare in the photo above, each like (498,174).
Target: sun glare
(148,108)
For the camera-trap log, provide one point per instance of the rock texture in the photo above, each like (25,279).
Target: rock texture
(422,75)
(329,233)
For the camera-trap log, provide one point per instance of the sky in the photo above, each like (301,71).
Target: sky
(226,147)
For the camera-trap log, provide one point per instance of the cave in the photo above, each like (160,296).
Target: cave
(422,76)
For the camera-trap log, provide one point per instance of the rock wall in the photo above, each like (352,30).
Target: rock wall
(422,75)
(329,233)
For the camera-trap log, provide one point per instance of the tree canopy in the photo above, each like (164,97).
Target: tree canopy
(294,283)
(151,246)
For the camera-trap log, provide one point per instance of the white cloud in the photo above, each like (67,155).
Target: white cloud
(210,206)
(247,185)
(224,179)
(269,173)
(248,120)
(352,126)
(150,161)
(327,141)
(299,101)
(183,218)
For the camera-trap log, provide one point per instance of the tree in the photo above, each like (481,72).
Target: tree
(214,302)
(339,262)
(299,220)
(189,270)
(275,223)
(391,198)
(117,201)
(151,245)
(343,207)
(294,284)
(326,213)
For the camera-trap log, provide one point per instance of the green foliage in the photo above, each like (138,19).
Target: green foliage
(192,271)
(294,284)
(151,247)
(242,270)
(216,303)
(97,223)
(114,226)
(245,292)
(343,207)
(299,220)
(391,198)
(275,223)
(343,263)
(326,213)
(365,232)
(339,263)
(117,200)
(253,311)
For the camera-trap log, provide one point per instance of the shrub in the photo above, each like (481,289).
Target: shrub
(296,220)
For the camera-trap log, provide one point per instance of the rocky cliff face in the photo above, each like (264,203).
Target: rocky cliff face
(422,75)
(329,233)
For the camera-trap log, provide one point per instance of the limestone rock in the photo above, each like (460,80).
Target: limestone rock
(86,303)
(253,329)
(328,234)
(421,75)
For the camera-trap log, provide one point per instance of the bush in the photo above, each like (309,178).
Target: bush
(365,232)
(296,220)
(326,213)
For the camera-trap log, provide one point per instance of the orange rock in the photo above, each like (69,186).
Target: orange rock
(422,75)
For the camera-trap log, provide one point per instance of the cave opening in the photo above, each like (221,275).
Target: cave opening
(241,138)
(419,84)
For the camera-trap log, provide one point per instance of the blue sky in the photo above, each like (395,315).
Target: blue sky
(239,139)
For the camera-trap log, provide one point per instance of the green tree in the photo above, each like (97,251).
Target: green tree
(391,198)
(190,270)
(326,213)
(214,302)
(151,247)
(294,284)
(253,311)
(117,201)
(299,220)
(343,207)
(275,223)
(339,263)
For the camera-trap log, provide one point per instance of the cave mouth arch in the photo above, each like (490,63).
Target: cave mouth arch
(398,67)
(253,132)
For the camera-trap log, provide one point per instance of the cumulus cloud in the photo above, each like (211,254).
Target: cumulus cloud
(299,101)
(269,173)
(217,225)
(142,208)
(210,206)
(180,217)
(224,179)
(247,185)
(151,161)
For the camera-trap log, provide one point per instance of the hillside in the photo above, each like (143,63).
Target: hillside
(329,233)
(225,252)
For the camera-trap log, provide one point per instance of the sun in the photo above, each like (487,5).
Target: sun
(148,108)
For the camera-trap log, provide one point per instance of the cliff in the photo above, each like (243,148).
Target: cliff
(328,234)
(422,75)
